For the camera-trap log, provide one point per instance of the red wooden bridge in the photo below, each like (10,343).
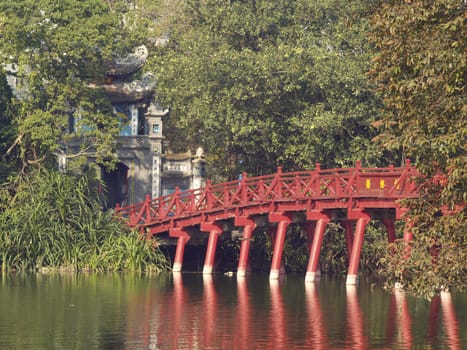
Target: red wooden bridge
(352,195)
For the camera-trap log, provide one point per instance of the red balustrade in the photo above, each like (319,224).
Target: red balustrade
(329,188)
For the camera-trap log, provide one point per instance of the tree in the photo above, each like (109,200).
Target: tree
(420,70)
(54,221)
(260,84)
(47,218)
(7,130)
(62,50)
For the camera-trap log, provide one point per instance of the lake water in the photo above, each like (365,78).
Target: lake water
(189,311)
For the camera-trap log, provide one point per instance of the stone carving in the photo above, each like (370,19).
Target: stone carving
(130,92)
(129,64)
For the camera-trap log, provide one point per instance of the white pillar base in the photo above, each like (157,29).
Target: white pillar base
(241,273)
(312,276)
(445,296)
(351,290)
(177,267)
(274,274)
(207,270)
(351,280)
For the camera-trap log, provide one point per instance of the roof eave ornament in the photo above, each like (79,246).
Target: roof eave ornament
(130,63)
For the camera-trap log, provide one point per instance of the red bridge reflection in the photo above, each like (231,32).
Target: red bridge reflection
(207,316)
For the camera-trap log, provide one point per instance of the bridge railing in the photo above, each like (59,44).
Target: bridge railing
(317,184)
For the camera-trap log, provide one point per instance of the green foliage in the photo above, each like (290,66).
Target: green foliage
(227,254)
(420,70)
(261,251)
(431,262)
(7,130)
(62,50)
(55,221)
(48,219)
(375,244)
(334,255)
(296,250)
(261,83)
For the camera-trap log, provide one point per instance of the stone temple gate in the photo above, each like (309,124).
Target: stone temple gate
(145,167)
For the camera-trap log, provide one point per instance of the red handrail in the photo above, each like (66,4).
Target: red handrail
(390,183)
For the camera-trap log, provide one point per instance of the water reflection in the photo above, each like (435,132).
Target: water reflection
(316,329)
(403,320)
(450,322)
(356,338)
(222,313)
(278,332)
(188,311)
(243,316)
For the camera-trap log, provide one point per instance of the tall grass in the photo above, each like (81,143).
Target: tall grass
(55,221)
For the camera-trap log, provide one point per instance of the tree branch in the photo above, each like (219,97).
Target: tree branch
(16,143)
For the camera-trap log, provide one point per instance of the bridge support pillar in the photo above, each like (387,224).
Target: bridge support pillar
(272,236)
(390,229)
(283,221)
(183,238)
(348,227)
(310,227)
(312,274)
(362,220)
(248,228)
(408,235)
(214,232)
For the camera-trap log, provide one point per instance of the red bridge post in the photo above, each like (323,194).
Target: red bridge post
(283,222)
(389,224)
(362,220)
(214,232)
(321,221)
(183,238)
(248,228)
(348,227)
(310,227)
(272,231)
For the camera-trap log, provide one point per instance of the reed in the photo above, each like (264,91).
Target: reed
(55,221)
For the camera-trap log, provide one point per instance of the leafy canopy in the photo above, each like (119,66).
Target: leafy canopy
(62,49)
(420,70)
(260,84)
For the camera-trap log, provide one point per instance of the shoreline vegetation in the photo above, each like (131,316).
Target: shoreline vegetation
(54,221)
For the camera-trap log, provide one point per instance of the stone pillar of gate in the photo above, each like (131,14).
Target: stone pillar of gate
(362,220)
(321,219)
(214,232)
(283,221)
(183,238)
(248,228)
